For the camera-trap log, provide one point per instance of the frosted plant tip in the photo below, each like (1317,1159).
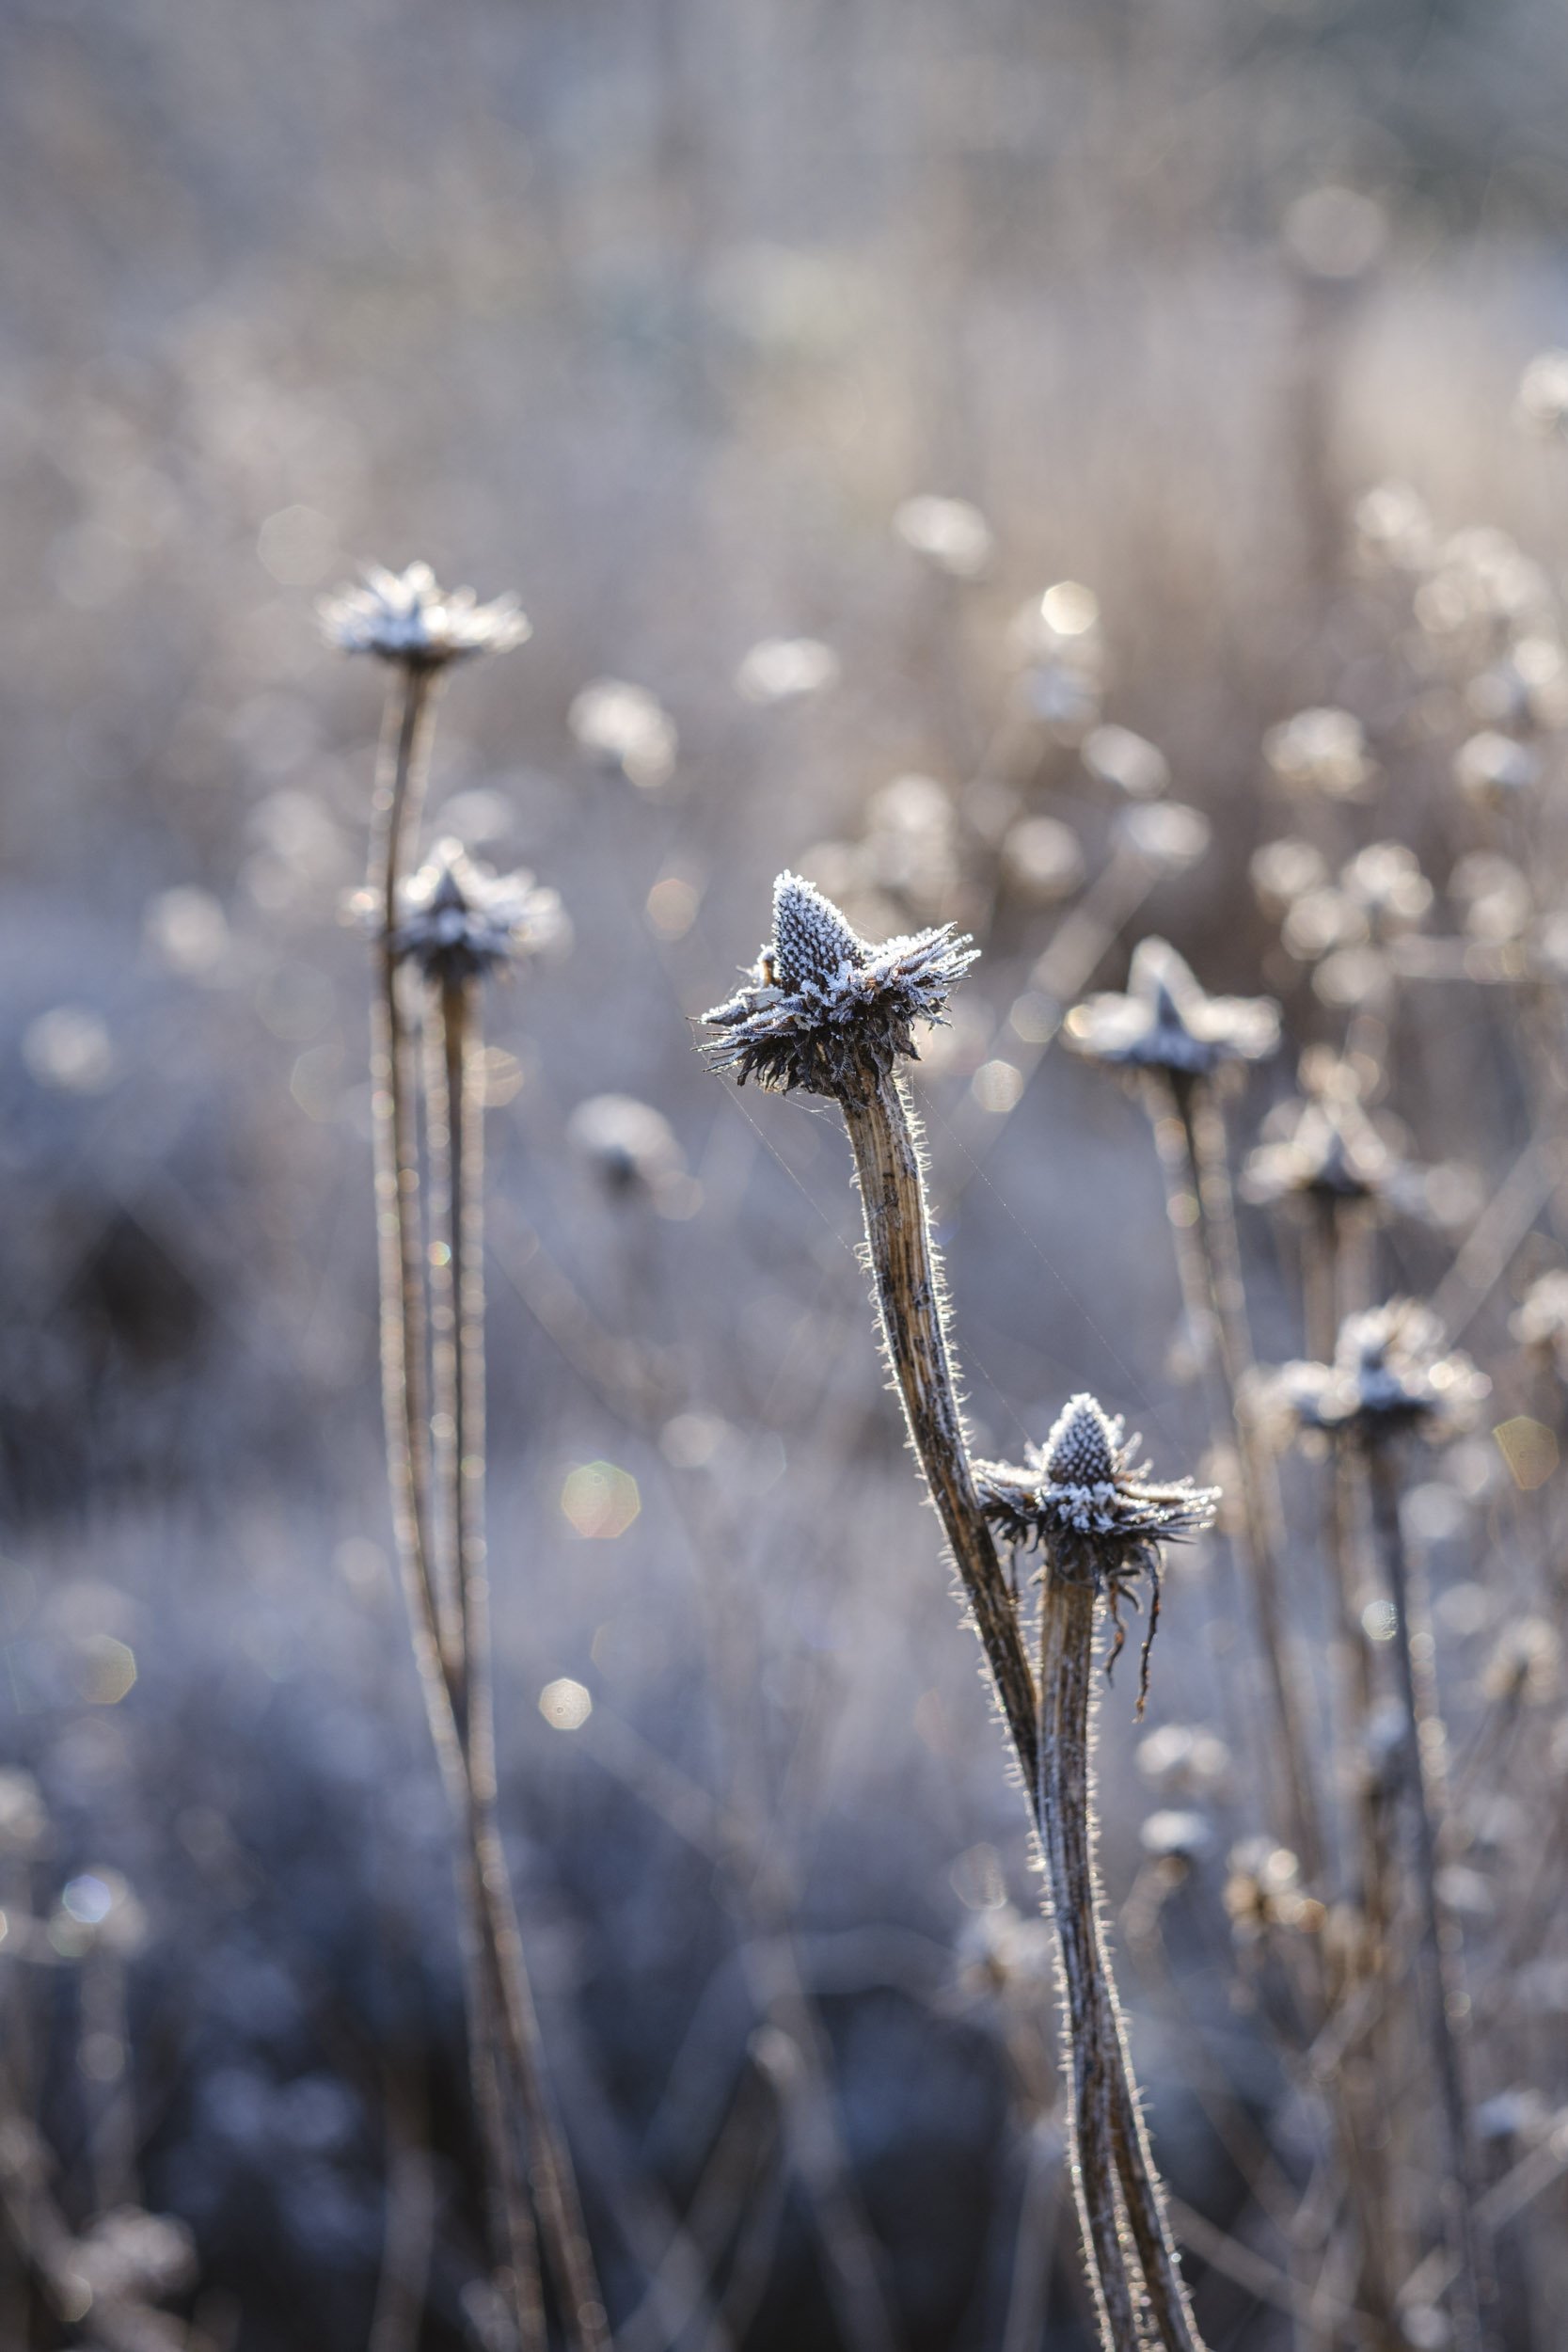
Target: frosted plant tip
(1166,1020)
(410,618)
(822,1009)
(459,921)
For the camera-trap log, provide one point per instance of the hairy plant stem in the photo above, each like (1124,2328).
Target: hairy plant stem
(443,1591)
(1190,1138)
(1440,1958)
(1114,2167)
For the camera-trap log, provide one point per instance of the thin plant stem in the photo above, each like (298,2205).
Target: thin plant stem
(405,1396)
(1067,1643)
(400,775)
(1440,1956)
(456,1109)
(1190,1136)
(910,1308)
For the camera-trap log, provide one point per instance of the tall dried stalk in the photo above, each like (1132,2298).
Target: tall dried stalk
(825,1011)
(418,629)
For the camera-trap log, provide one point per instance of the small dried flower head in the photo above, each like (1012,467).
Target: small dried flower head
(1385,880)
(1393,528)
(822,1007)
(459,921)
(626,731)
(1283,871)
(1389,1373)
(1096,1512)
(1323,750)
(409,617)
(1167,1022)
(630,1147)
(1330,1152)
(1496,768)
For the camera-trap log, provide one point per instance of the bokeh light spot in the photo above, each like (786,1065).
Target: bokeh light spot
(1529,1450)
(599,1501)
(565,1705)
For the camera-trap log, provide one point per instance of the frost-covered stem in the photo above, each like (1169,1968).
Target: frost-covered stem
(1067,1831)
(910,1304)
(1441,1958)
(1190,1138)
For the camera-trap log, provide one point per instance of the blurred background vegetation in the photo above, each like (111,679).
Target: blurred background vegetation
(660,312)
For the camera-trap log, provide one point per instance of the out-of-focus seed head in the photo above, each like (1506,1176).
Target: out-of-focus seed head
(630,1147)
(1390,1372)
(823,1010)
(410,618)
(1167,1022)
(622,728)
(459,921)
(1321,751)
(1496,768)
(1386,881)
(1494,894)
(1330,1152)
(1283,871)
(128,2256)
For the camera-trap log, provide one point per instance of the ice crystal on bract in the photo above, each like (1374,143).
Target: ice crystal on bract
(1096,1513)
(1167,1022)
(1390,1371)
(459,921)
(822,1004)
(409,617)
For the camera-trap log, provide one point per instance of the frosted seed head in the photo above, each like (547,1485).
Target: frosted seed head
(1081,1449)
(409,617)
(824,1011)
(811,940)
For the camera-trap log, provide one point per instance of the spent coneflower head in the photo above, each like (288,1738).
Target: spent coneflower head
(823,1008)
(459,921)
(1390,1372)
(1087,1501)
(409,617)
(1166,1020)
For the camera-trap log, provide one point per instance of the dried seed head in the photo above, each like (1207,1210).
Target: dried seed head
(822,1007)
(1389,1373)
(1099,1517)
(409,617)
(459,921)
(1167,1022)
(630,1147)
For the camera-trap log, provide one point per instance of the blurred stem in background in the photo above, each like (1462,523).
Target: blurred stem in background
(433,1396)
